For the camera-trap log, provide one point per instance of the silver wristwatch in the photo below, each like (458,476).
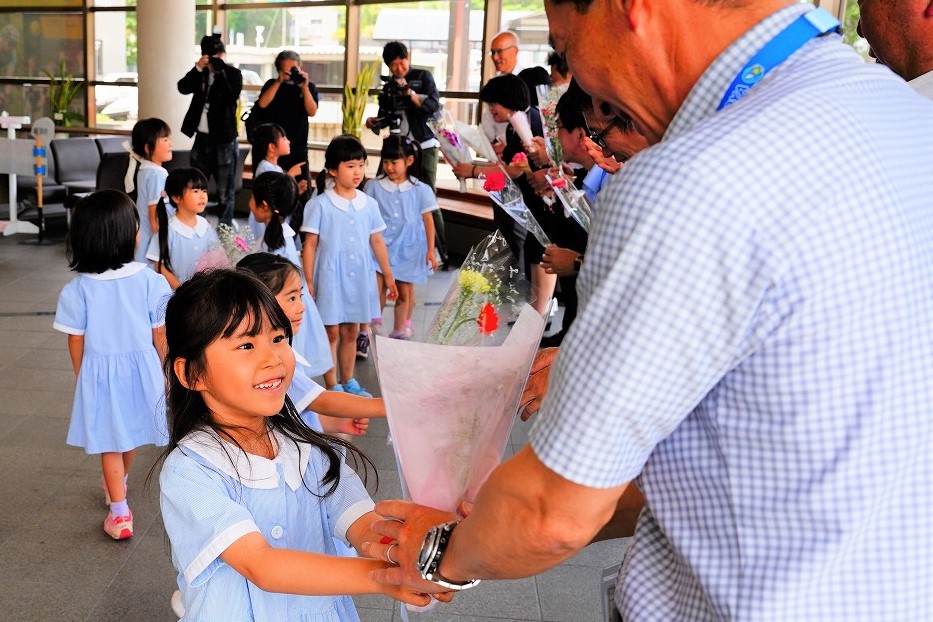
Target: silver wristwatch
(432,550)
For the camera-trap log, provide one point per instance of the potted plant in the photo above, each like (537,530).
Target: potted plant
(355,98)
(63,89)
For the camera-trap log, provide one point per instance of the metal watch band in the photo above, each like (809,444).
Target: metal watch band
(432,551)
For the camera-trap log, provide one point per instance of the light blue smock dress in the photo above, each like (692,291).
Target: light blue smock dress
(344,269)
(150,182)
(212,494)
(119,401)
(258,229)
(311,341)
(303,390)
(186,245)
(402,207)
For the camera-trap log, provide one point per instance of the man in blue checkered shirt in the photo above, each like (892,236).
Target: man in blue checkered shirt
(755,340)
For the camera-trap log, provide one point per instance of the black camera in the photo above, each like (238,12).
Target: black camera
(395,98)
(296,78)
(217,64)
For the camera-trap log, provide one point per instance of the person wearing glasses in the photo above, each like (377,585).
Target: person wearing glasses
(504,54)
(504,95)
(754,349)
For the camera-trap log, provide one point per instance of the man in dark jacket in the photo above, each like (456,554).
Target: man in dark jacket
(422,103)
(211,119)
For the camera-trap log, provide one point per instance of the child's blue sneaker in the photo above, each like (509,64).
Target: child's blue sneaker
(338,388)
(352,386)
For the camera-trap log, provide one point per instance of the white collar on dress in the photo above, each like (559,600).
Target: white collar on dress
(126,269)
(200,227)
(391,186)
(358,202)
(287,231)
(252,471)
(143,163)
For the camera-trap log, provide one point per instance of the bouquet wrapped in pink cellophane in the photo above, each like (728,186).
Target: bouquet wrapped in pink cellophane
(452,146)
(451,407)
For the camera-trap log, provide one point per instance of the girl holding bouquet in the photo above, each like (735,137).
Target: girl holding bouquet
(186,236)
(271,205)
(343,228)
(250,495)
(406,205)
(506,95)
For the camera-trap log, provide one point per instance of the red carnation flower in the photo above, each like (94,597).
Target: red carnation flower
(495,181)
(488,320)
(560,182)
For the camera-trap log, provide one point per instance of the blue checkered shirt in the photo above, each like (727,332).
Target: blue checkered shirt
(755,346)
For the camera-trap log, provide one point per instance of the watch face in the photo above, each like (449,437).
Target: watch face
(427,550)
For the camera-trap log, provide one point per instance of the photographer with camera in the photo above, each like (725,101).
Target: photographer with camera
(211,119)
(288,100)
(408,100)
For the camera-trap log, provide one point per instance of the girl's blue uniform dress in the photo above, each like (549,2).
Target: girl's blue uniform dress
(150,182)
(185,245)
(344,270)
(402,207)
(311,341)
(303,390)
(212,494)
(119,401)
(259,229)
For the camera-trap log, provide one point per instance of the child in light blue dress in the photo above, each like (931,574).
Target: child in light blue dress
(186,236)
(146,177)
(112,314)
(406,205)
(343,234)
(271,204)
(333,412)
(250,495)
(269,144)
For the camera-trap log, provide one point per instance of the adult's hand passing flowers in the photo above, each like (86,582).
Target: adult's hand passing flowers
(537,384)
(405,525)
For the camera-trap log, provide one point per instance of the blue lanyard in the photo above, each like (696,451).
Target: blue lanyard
(811,24)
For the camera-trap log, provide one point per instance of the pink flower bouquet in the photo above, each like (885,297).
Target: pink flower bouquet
(233,246)
(451,407)
(453,148)
(509,198)
(574,200)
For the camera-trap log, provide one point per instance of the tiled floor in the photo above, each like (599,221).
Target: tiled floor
(57,565)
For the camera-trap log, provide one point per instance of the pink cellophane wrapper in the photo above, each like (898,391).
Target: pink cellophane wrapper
(451,408)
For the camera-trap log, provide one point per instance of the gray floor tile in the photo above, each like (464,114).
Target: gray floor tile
(570,594)
(40,601)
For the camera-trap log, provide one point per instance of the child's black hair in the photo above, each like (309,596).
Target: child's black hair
(263,136)
(398,147)
(280,192)
(343,148)
(103,231)
(212,305)
(272,269)
(179,181)
(146,133)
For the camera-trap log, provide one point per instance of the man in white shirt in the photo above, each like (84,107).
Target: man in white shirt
(901,37)
(504,53)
